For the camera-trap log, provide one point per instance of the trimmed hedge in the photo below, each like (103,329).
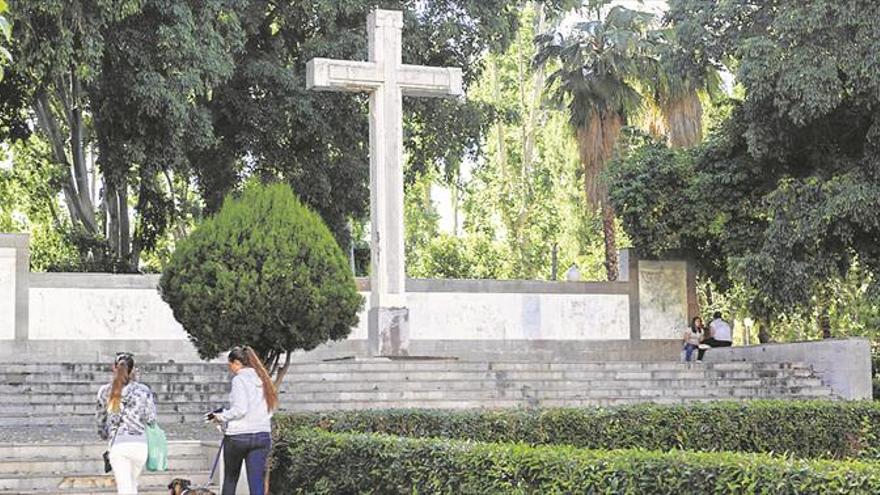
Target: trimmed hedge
(804,429)
(313,461)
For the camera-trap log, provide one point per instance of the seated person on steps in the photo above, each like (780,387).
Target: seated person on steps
(692,337)
(720,334)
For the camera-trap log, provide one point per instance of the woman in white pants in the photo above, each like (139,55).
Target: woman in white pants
(125,408)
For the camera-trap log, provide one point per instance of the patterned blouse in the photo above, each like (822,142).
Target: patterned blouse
(138,410)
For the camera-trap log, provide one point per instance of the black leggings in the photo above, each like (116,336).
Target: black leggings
(252,449)
(711,342)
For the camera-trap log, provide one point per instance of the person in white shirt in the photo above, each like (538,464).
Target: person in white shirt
(720,334)
(247,422)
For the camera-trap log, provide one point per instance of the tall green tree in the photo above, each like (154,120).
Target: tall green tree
(113,89)
(142,100)
(600,65)
(318,142)
(784,196)
(525,180)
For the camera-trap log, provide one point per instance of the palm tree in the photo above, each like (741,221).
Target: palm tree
(600,64)
(676,90)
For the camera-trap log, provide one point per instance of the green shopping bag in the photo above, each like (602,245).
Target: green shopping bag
(157,449)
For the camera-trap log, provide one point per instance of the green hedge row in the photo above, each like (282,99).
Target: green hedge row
(314,461)
(805,429)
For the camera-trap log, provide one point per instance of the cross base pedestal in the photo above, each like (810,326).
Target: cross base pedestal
(389,331)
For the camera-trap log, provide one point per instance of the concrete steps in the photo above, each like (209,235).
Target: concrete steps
(37,394)
(74,468)
(39,399)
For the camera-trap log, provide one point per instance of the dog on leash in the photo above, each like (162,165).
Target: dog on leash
(180,486)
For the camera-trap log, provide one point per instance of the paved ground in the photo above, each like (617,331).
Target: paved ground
(66,434)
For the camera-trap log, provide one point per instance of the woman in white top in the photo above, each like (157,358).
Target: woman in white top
(692,337)
(247,421)
(125,408)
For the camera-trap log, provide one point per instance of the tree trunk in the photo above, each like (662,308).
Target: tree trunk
(111,200)
(454,203)
(763,331)
(683,117)
(124,223)
(596,140)
(77,146)
(611,261)
(78,201)
(824,321)
(282,371)
(534,103)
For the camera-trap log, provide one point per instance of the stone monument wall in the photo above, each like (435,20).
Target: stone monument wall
(73,316)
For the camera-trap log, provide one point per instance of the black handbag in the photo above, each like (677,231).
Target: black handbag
(107,466)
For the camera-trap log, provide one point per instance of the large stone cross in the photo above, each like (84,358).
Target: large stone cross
(386,78)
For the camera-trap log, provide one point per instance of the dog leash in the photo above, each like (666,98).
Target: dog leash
(216,461)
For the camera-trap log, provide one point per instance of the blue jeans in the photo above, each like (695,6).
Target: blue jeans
(689,351)
(251,448)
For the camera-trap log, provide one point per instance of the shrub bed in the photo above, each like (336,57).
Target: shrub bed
(314,461)
(806,429)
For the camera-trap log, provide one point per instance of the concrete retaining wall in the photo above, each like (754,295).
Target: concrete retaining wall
(843,364)
(79,313)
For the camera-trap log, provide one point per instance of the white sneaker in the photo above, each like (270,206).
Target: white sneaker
(703,347)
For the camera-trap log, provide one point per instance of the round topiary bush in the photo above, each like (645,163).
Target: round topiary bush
(264,271)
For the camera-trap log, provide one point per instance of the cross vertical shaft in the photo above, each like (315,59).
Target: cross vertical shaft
(387,79)
(387,278)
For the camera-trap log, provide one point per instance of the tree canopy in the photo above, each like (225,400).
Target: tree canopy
(785,194)
(263,272)
(140,101)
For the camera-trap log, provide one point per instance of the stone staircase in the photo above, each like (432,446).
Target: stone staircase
(47,410)
(46,394)
(71,468)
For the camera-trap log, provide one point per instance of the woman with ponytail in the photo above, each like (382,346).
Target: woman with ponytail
(125,408)
(248,421)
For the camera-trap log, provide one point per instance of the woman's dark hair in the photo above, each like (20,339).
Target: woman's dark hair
(694,323)
(249,359)
(122,371)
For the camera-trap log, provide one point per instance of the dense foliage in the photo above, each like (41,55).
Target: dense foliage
(312,461)
(5,36)
(155,110)
(801,429)
(264,271)
(111,88)
(784,197)
(519,210)
(599,65)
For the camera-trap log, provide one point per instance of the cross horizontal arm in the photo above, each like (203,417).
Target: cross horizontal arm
(418,80)
(326,74)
